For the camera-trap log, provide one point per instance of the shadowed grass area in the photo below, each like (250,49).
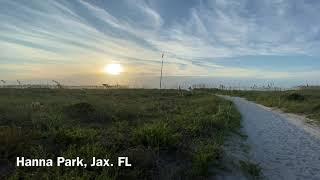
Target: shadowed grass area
(252,169)
(304,102)
(166,135)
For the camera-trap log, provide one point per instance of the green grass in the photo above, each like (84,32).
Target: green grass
(166,135)
(304,102)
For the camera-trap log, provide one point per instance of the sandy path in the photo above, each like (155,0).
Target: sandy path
(285,147)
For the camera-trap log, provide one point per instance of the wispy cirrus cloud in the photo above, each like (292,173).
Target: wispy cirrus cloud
(84,35)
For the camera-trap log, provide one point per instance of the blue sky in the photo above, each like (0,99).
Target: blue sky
(220,39)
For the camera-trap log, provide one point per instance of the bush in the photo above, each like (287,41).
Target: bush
(295,97)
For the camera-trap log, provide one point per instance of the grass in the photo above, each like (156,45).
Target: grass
(304,102)
(251,169)
(166,135)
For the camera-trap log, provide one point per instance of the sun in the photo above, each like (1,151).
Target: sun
(113,69)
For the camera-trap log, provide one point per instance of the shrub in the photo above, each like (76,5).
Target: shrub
(295,97)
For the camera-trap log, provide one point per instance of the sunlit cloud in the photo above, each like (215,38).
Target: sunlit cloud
(64,38)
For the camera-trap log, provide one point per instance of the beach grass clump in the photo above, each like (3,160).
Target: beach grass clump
(157,135)
(206,154)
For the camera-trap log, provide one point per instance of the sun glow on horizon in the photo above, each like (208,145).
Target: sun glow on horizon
(113,69)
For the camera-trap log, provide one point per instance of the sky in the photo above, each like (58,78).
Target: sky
(246,41)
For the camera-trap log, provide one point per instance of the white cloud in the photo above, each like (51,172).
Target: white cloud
(81,33)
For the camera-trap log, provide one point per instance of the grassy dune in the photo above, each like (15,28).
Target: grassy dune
(166,135)
(304,102)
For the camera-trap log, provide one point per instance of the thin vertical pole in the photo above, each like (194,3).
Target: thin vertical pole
(161,69)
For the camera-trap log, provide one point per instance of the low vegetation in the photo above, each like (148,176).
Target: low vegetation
(166,135)
(304,101)
(253,170)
